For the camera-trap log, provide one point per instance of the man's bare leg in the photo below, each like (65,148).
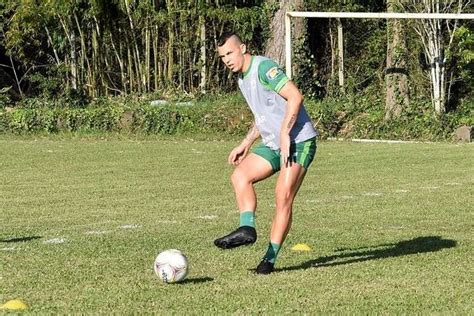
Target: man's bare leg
(251,170)
(288,184)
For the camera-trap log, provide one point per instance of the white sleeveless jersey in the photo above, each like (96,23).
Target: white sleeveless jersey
(260,85)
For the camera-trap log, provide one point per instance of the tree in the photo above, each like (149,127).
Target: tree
(396,78)
(202,57)
(437,37)
(275,46)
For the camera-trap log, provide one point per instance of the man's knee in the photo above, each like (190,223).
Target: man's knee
(284,195)
(239,178)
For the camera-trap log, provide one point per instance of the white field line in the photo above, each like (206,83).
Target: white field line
(55,241)
(207,217)
(388,141)
(131,226)
(347,197)
(430,188)
(402,191)
(168,222)
(384,141)
(96,232)
(8,249)
(78,226)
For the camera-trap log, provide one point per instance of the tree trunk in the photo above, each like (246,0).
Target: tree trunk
(73,61)
(436,48)
(396,78)
(433,38)
(72,54)
(100,58)
(171,14)
(16,77)
(202,58)
(130,70)
(50,40)
(156,63)
(275,46)
(136,51)
(120,62)
(83,54)
(181,64)
(147,55)
(332,44)
(94,62)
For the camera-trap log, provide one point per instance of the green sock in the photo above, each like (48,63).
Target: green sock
(272,252)
(247,218)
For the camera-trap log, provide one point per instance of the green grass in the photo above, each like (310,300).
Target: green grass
(390,226)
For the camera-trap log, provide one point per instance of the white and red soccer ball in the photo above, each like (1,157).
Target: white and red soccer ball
(171,266)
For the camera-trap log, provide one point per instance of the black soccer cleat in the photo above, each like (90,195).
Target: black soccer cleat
(244,235)
(265,267)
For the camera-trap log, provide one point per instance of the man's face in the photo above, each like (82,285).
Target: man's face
(232,54)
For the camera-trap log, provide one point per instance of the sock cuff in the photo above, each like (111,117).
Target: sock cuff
(275,245)
(247,218)
(272,252)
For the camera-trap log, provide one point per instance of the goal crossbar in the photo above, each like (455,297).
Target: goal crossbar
(361,15)
(382,15)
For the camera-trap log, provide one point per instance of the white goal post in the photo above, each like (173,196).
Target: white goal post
(364,15)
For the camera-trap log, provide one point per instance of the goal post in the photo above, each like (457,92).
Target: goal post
(359,15)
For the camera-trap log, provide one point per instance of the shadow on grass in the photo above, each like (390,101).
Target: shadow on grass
(197,280)
(20,239)
(401,248)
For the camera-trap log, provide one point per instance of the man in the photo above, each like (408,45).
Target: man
(288,145)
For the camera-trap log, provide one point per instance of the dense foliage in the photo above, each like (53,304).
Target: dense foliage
(226,115)
(64,61)
(110,47)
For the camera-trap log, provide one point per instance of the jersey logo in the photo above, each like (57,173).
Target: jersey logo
(272,73)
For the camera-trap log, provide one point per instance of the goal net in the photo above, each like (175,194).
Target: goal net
(349,52)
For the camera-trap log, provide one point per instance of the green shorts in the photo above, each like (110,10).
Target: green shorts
(302,153)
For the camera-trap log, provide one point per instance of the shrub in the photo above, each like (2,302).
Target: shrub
(361,117)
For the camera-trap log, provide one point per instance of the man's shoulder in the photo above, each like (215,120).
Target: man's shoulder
(271,74)
(265,64)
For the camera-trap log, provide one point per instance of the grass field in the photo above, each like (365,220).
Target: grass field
(390,226)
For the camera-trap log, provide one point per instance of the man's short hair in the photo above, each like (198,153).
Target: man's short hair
(225,36)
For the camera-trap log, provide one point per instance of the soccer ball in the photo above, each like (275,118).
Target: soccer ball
(171,266)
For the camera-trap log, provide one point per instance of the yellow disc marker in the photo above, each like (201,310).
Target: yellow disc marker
(301,247)
(14,305)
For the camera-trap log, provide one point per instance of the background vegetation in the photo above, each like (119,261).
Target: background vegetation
(223,115)
(69,65)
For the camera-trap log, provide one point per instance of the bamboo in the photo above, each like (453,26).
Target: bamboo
(130,70)
(147,56)
(119,60)
(16,77)
(50,40)
(83,53)
(136,52)
(170,60)
(156,64)
(71,53)
(94,63)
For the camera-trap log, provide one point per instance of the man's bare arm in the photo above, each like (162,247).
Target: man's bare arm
(240,152)
(251,136)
